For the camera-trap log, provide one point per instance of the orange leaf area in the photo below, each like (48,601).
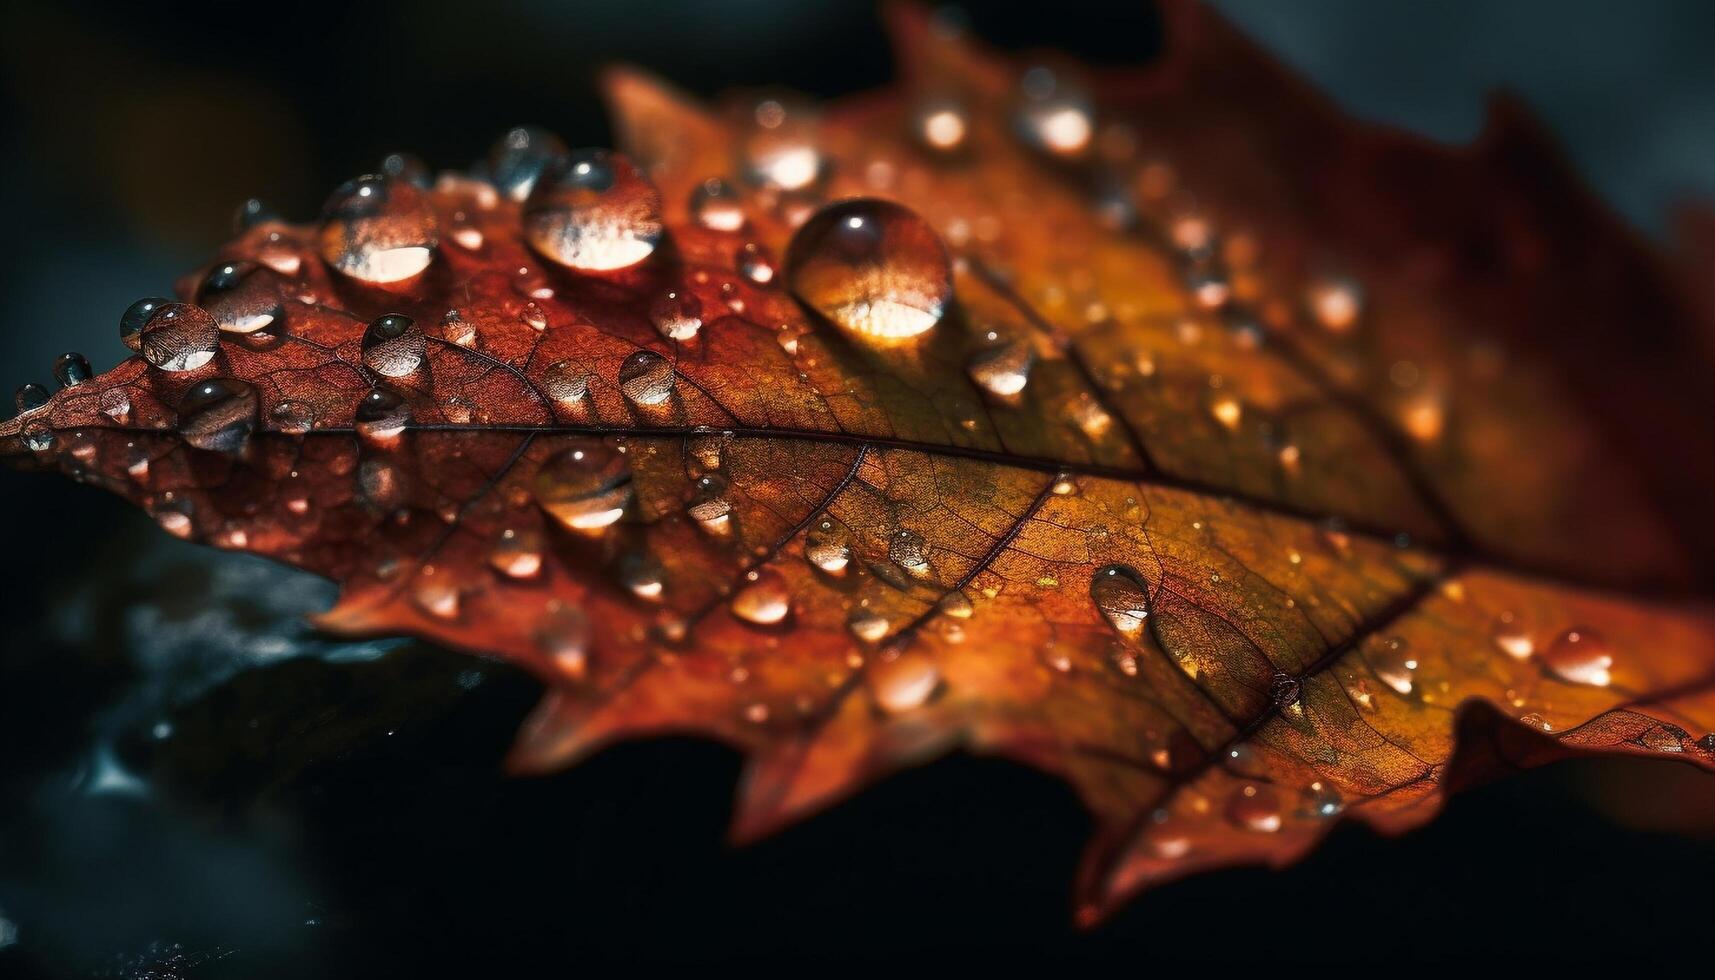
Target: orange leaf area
(1161,429)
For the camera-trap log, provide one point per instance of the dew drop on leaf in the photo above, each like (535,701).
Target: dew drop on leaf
(179,337)
(873,267)
(1053,115)
(1394,664)
(642,575)
(1254,808)
(717,206)
(135,316)
(378,231)
(585,490)
(242,297)
(30,397)
(116,405)
(1122,598)
(71,369)
(566,382)
(595,212)
(904,683)
(218,415)
(517,554)
(907,549)
(764,600)
(867,625)
(564,638)
(942,125)
(1336,304)
(677,314)
(518,159)
(38,436)
(827,548)
(381,417)
(1323,800)
(394,346)
(1002,370)
(710,506)
(646,378)
(1579,656)
(755,264)
(780,150)
(293,417)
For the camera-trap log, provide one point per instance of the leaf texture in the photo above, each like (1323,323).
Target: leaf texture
(1252,445)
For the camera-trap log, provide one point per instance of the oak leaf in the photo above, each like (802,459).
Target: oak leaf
(1160,428)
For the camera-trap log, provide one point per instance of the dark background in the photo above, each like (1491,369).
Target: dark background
(193,785)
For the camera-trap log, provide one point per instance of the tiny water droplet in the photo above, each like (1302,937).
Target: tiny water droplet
(867,625)
(1336,304)
(293,417)
(179,337)
(872,267)
(710,506)
(71,369)
(38,436)
(1512,640)
(642,575)
(646,378)
(394,346)
(378,231)
(717,206)
(116,405)
(1002,370)
(408,168)
(594,211)
(564,637)
(218,415)
(518,159)
(755,264)
(566,382)
(587,489)
(252,212)
(907,549)
(241,296)
(1227,410)
(779,152)
(135,316)
(764,601)
(1254,808)
(942,125)
(533,316)
(827,548)
(1122,597)
(1054,115)
(30,397)
(677,314)
(957,605)
(1579,656)
(1322,799)
(1394,664)
(381,417)
(905,683)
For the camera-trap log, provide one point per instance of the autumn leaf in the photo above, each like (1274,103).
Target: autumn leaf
(1249,468)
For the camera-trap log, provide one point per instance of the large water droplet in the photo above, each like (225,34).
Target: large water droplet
(904,683)
(1122,598)
(717,206)
(827,547)
(381,417)
(764,600)
(135,316)
(241,297)
(586,490)
(594,211)
(646,378)
(394,346)
(873,267)
(218,415)
(1002,370)
(179,337)
(518,159)
(1579,656)
(30,397)
(378,231)
(71,369)
(678,314)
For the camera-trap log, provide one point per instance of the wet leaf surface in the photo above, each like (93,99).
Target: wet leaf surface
(1158,428)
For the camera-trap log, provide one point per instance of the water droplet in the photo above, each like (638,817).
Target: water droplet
(942,125)
(241,297)
(394,346)
(72,369)
(533,316)
(827,548)
(1002,370)
(1336,304)
(904,683)
(646,378)
(294,417)
(179,337)
(780,150)
(1254,808)
(764,600)
(907,549)
(517,160)
(717,206)
(566,382)
(867,625)
(586,490)
(678,314)
(38,436)
(873,267)
(642,575)
(1227,410)
(755,264)
(378,231)
(1322,799)
(381,417)
(1283,690)
(252,212)
(709,505)
(29,398)
(1579,656)
(116,405)
(1512,640)
(564,637)
(1122,597)
(408,168)
(957,605)
(517,554)
(1053,115)
(218,415)
(1394,665)
(135,316)
(594,211)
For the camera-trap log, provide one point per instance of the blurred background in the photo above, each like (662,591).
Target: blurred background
(194,785)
